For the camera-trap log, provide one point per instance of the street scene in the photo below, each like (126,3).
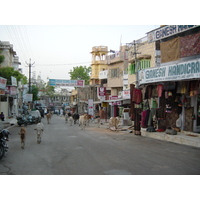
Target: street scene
(117,108)
(67,150)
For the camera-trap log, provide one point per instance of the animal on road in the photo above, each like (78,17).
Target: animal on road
(71,120)
(114,123)
(82,121)
(48,116)
(22,134)
(39,128)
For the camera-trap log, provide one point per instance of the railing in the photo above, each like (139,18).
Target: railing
(100,48)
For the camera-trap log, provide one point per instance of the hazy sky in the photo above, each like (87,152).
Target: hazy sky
(56,49)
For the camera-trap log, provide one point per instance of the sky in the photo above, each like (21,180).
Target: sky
(56,49)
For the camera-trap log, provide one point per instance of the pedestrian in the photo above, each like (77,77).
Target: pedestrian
(2,116)
(102,115)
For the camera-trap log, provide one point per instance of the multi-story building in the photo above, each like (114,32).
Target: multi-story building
(98,63)
(117,65)
(174,84)
(9,97)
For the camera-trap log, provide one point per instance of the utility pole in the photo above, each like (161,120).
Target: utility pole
(136,63)
(30,65)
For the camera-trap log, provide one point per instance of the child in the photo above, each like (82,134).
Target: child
(22,136)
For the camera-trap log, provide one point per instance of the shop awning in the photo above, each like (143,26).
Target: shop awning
(110,101)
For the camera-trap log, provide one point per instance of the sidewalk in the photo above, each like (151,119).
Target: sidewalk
(8,123)
(185,138)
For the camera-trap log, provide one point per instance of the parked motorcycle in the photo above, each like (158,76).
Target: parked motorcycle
(31,119)
(4,137)
(22,120)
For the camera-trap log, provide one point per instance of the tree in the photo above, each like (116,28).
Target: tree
(1,58)
(49,90)
(7,72)
(34,91)
(80,73)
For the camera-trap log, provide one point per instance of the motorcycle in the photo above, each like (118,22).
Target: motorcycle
(31,119)
(4,137)
(22,120)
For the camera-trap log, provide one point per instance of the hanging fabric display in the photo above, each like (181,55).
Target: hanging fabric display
(160,89)
(137,96)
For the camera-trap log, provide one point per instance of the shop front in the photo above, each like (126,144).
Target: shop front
(171,96)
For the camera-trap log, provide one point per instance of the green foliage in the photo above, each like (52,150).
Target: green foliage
(34,91)
(7,72)
(49,90)
(80,73)
(1,58)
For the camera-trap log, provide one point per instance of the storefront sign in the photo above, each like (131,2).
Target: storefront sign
(104,104)
(13,81)
(60,82)
(126,94)
(3,82)
(175,72)
(102,91)
(2,92)
(167,31)
(11,90)
(113,97)
(28,97)
(90,107)
(118,103)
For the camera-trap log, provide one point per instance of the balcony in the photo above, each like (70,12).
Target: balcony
(103,74)
(99,62)
(99,48)
(114,58)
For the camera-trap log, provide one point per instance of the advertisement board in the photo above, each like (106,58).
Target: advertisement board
(3,82)
(64,82)
(175,72)
(167,31)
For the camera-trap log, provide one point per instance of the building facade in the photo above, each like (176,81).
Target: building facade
(171,89)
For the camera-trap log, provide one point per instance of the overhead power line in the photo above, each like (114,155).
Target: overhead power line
(62,64)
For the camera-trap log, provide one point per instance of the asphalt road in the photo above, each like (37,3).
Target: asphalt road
(67,150)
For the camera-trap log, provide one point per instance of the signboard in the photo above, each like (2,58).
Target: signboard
(63,82)
(118,103)
(2,92)
(102,91)
(3,82)
(28,97)
(167,31)
(11,90)
(126,94)
(104,104)
(13,81)
(174,72)
(90,107)
(113,97)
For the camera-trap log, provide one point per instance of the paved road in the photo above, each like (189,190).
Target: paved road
(67,150)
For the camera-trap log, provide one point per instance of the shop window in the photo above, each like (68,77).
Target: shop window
(144,63)
(131,69)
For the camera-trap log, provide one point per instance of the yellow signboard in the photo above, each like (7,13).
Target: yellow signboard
(104,104)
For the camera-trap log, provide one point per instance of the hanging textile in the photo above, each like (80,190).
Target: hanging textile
(159,89)
(148,93)
(170,50)
(144,118)
(137,96)
(190,45)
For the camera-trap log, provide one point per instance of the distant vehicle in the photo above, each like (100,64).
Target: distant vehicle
(37,115)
